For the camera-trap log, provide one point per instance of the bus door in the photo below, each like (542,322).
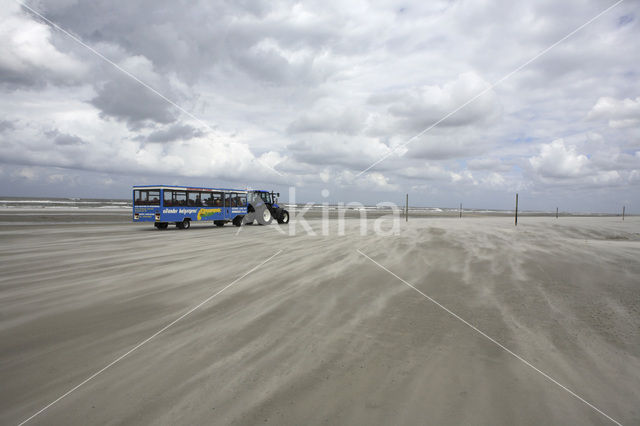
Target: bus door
(227,206)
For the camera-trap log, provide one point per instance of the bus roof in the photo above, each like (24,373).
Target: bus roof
(187,188)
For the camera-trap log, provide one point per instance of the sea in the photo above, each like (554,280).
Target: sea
(62,203)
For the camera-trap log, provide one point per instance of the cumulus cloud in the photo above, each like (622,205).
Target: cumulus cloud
(197,157)
(556,160)
(464,176)
(619,112)
(561,162)
(494,179)
(28,54)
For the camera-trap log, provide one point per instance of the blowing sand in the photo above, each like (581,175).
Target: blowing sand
(320,334)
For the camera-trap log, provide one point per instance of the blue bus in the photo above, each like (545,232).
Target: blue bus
(164,204)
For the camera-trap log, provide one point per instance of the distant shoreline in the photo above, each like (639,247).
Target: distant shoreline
(91,204)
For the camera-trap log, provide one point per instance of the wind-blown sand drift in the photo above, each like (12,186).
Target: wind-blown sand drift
(320,334)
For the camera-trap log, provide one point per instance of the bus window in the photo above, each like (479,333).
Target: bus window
(217,199)
(173,198)
(168,198)
(194,199)
(241,200)
(153,198)
(147,198)
(207,199)
(233,200)
(179,198)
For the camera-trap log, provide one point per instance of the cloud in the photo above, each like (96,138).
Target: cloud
(173,133)
(328,149)
(28,56)
(371,181)
(439,146)
(491,164)
(426,171)
(329,120)
(494,179)
(421,107)
(198,157)
(126,100)
(619,112)
(25,173)
(561,162)
(464,177)
(6,125)
(556,160)
(64,139)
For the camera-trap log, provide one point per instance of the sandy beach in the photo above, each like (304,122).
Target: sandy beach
(319,334)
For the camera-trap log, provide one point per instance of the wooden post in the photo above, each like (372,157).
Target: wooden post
(623,212)
(556,212)
(460,210)
(406,209)
(516,209)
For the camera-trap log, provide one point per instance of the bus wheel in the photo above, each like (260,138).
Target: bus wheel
(284,217)
(219,223)
(186,224)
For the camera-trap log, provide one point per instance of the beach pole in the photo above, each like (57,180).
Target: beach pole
(556,212)
(516,209)
(461,210)
(623,212)
(406,209)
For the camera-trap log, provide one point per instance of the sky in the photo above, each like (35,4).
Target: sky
(308,95)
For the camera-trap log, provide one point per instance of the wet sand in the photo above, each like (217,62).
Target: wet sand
(319,334)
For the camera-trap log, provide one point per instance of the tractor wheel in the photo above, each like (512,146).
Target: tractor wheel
(237,221)
(264,216)
(284,217)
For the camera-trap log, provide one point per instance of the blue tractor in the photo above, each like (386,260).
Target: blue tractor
(263,207)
